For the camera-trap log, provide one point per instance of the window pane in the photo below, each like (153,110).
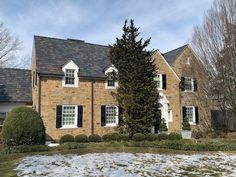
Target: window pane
(188,83)
(110,80)
(189,114)
(158,80)
(111,114)
(70,76)
(68,115)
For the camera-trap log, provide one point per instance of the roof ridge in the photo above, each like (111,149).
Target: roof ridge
(71,40)
(176,48)
(22,69)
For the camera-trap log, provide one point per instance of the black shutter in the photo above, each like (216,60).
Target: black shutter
(58,116)
(164,81)
(80,116)
(184,112)
(103,115)
(195,84)
(120,120)
(196,115)
(182,84)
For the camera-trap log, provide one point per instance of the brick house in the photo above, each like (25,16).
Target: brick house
(15,90)
(73,85)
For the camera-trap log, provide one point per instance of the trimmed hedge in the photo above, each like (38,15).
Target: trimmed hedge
(25,148)
(151,137)
(138,137)
(23,126)
(162,136)
(66,139)
(95,138)
(111,137)
(81,138)
(174,136)
(124,137)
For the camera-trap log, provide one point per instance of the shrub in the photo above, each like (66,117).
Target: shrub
(174,136)
(66,139)
(186,125)
(138,137)
(81,138)
(151,137)
(163,126)
(95,138)
(23,126)
(25,148)
(112,137)
(124,137)
(162,136)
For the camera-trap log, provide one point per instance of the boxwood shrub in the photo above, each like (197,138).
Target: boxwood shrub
(66,139)
(82,138)
(162,136)
(138,137)
(23,126)
(111,137)
(124,137)
(151,137)
(174,136)
(95,138)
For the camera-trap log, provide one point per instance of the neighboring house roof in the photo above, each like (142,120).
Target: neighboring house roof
(172,55)
(15,85)
(52,53)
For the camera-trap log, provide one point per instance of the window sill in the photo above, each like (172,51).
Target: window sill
(188,91)
(192,123)
(110,126)
(69,127)
(70,86)
(110,87)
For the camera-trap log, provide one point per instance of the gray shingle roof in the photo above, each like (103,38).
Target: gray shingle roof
(15,85)
(173,54)
(53,53)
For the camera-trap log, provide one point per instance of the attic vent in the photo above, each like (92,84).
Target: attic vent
(76,40)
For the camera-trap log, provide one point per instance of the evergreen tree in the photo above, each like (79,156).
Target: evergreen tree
(137,93)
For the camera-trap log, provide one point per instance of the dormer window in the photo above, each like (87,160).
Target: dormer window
(70,77)
(110,79)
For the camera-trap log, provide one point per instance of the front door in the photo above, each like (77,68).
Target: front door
(156,125)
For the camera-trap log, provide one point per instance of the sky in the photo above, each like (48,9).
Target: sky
(169,23)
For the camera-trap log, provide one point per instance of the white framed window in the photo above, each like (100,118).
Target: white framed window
(110,79)
(158,79)
(3,116)
(188,61)
(69,116)
(188,84)
(190,114)
(70,78)
(112,115)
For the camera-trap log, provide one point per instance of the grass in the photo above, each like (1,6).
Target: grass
(8,161)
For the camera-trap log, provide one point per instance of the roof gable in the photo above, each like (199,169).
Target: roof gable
(15,85)
(172,55)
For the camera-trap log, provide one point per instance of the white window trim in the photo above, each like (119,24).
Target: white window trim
(70,65)
(192,83)
(194,115)
(161,82)
(110,70)
(76,117)
(170,115)
(117,117)
(188,61)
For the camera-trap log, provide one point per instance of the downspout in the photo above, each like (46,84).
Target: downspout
(39,95)
(92,107)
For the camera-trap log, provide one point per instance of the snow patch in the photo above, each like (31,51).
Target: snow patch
(128,165)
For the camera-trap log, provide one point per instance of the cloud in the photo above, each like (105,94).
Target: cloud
(168,22)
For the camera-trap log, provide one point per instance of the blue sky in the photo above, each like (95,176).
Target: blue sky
(168,22)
